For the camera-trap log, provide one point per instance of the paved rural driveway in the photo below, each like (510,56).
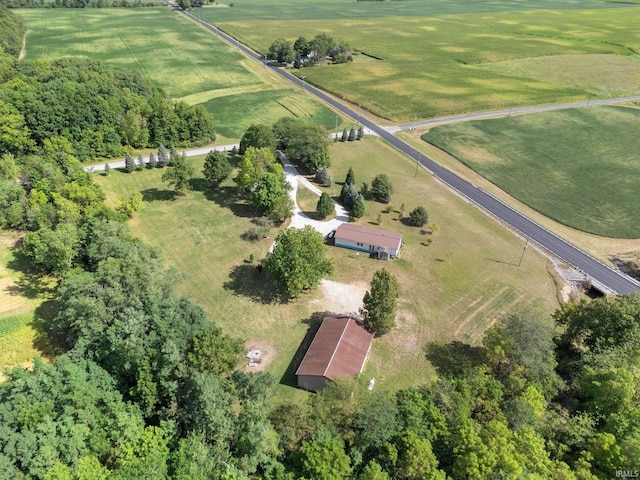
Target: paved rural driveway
(299,219)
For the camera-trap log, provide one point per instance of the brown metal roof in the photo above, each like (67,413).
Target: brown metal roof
(369,236)
(339,348)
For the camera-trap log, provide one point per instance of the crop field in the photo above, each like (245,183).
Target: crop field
(576,166)
(188,62)
(441,58)
(452,285)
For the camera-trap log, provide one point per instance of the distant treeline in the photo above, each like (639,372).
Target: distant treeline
(77,3)
(12,30)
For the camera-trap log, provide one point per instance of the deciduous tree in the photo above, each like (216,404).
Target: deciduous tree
(281,51)
(298,260)
(258,136)
(216,168)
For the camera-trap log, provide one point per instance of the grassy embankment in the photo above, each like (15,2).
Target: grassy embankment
(444,58)
(578,167)
(451,289)
(190,63)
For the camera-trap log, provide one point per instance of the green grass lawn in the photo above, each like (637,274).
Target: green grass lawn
(429,59)
(187,61)
(579,167)
(452,289)
(22,293)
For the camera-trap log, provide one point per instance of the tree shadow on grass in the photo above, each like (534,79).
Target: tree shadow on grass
(253,282)
(227,197)
(31,283)
(45,341)
(151,194)
(289,376)
(454,358)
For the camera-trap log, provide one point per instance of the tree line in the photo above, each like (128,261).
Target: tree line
(78,3)
(99,109)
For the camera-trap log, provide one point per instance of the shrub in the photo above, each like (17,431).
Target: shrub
(418,217)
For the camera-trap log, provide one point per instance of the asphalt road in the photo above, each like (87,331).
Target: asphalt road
(601,275)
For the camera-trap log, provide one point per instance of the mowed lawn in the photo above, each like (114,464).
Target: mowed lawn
(452,288)
(579,166)
(427,59)
(190,63)
(22,291)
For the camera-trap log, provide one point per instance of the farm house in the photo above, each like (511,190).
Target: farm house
(339,348)
(383,243)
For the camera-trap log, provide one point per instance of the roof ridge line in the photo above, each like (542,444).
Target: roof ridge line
(324,374)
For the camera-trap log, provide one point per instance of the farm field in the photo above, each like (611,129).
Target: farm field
(451,289)
(440,59)
(188,62)
(575,166)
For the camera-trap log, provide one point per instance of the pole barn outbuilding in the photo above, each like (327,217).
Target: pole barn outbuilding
(339,348)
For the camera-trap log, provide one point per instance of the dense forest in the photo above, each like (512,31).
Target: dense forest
(145,385)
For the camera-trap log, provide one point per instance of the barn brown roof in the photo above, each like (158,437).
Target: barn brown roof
(369,236)
(339,348)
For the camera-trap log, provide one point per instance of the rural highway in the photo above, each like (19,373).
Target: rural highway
(602,276)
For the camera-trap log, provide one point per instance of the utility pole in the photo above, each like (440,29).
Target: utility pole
(523,250)
(337,117)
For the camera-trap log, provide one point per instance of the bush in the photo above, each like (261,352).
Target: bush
(418,217)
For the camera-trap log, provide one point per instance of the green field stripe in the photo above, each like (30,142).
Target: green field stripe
(9,325)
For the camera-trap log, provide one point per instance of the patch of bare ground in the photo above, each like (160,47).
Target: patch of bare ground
(407,333)
(260,354)
(341,298)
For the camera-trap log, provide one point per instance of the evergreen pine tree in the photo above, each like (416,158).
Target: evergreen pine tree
(352,134)
(173,155)
(140,165)
(129,163)
(350,178)
(153,162)
(163,156)
(358,209)
(107,169)
(344,135)
(360,133)
(325,205)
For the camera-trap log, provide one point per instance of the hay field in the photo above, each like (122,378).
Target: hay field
(420,59)
(190,63)
(578,166)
